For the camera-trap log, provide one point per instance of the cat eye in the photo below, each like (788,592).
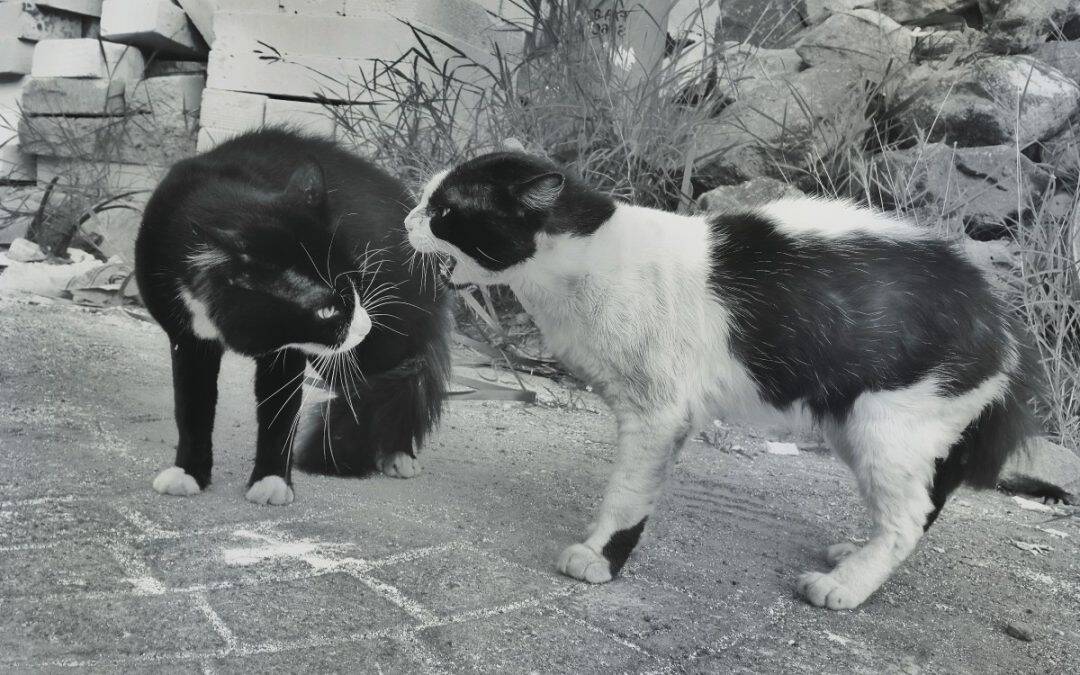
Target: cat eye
(444,212)
(327,312)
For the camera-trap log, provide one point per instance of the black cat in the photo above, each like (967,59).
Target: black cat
(291,250)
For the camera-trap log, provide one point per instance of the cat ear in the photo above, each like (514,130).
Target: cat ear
(540,192)
(306,185)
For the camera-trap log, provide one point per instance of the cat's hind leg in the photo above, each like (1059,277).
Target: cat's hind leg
(898,445)
(647,448)
(195,365)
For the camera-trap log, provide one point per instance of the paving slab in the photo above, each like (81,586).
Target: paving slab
(453,571)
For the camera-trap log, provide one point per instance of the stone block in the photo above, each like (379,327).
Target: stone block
(71,96)
(533,639)
(83,7)
(114,231)
(201,13)
(16,165)
(463,580)
(305,56)
(87,58)
(305,116)
(157,138)
(55,628)
(326,605)
(16,56)
(107,177)
(29,22)
(158,26)
(231,110)
(168,95)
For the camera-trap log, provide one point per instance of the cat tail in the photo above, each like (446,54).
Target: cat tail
(1009,424)
(393,412)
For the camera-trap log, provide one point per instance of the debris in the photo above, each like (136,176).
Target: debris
(1032,548)
(1020,630)
(777,448)
(1029,505)
(1051,531)
(24,251)
(51,279)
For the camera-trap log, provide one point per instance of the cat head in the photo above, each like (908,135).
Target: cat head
(492,213)
(263,271)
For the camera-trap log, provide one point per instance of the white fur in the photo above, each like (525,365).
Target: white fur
(836,219)
(401,465)
(201,322)
(359,327)
(271,490)
(629,308)
(175,481)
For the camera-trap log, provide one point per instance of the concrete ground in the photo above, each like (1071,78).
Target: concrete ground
(453,570)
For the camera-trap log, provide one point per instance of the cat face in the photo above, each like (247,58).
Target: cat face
(263,272)
(489,213)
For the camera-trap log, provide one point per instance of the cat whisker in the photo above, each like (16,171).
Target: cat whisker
(271,396)
(315,266)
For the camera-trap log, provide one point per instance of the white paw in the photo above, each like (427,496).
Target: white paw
(582,563)
(838,552)
(270,490)
(400,465)
(176,481)
(823,590)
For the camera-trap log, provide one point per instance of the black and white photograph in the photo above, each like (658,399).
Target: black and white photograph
(540,336)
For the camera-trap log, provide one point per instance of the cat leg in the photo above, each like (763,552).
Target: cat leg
(647,447)
(895,472)
(279,379)
(195,365)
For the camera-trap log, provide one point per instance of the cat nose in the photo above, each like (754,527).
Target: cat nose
(414,218)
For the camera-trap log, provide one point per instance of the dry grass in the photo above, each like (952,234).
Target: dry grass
(631,135)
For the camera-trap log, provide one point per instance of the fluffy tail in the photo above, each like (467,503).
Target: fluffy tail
(394,412)
(1006,425)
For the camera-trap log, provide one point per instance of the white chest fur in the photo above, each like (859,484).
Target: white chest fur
(201,323)
(630,309)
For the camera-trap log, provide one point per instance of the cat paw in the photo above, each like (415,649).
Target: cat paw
(837,552)
(581,562)
(823,590)
(400,465)
(270,490)
(175,481)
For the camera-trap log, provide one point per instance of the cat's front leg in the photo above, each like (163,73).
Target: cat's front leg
(279,380)
(195,365)
(647,447)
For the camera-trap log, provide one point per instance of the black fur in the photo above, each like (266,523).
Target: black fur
(821,323)
(619,546)
(290,225)
(493,206)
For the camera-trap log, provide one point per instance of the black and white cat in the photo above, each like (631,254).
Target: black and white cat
(290,250)
(889,337)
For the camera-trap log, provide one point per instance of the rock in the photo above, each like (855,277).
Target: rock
(751,61)
(754,192)
(937,45)
(25,251)
(1064,56)
(913,10)
(976,104)
(768,23)
(1021,25)
(976,185)
(113,232)
(1020,630)
(1061,156)
(861,36)
(781,122)
(1045,461)
(819,10)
